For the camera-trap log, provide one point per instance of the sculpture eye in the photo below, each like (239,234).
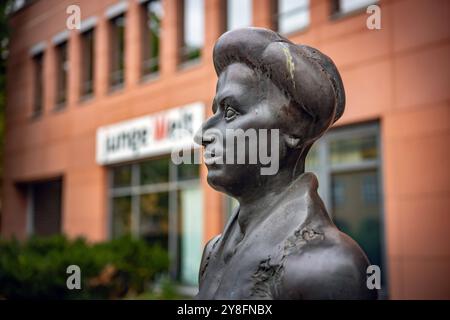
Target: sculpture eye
(230,113)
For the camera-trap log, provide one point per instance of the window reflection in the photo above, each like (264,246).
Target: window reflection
(354,150)
(151,16)
(122,176)
(292,15)
(154,218)
(162,203)
(192,28)
(117,74)
(356,211)
(346,6)
(87,76)
(62,72)
(155,171)
(121,216)
(38,65)
(239,14)
(346,162)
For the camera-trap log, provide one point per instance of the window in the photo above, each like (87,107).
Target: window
(161,203)
(292,15)
(38,66)
(347,6)
(88,63)
(152,13)
(230,205)
(347,164)
(192,29)
(239,14)
(44,207)
(117,71)
(62,69)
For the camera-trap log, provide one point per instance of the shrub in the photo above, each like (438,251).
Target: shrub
(36,268)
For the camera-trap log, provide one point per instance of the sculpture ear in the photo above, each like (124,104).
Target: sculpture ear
(292,141)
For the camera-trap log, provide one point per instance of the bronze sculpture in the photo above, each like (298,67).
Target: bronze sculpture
(280,242)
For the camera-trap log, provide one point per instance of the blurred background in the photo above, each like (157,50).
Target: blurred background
(90,92)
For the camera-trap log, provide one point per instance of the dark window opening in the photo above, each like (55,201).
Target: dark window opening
(38,64)
(62,69)
(88,63)
(117,71)
(151,26)
(45,202)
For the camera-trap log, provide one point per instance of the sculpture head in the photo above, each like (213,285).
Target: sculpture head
(267,82)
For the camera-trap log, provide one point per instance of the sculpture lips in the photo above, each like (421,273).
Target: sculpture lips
(211,158)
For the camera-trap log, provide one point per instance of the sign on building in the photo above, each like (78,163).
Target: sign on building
(150,135)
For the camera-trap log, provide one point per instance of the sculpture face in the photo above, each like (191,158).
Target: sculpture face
(245,99)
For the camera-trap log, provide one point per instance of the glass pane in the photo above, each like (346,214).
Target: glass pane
(62,70)
(117,50)
(188,171)
(356,209)
(351,5)
(38,83)
(155,171)
(239,14)
(191,234)
(153,15)
(122,176)
(87,85)
(193,29)
(231,205)
(353,150)
(154,218)
(121,216)
(46,200)
(292,15)
(312,159)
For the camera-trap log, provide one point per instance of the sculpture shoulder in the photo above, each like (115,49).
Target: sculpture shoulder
(334,268)
(207,252)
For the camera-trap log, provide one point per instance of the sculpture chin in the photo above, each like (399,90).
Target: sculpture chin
(217,179)
(225,179)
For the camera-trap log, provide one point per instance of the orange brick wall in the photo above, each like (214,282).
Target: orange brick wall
(398,75)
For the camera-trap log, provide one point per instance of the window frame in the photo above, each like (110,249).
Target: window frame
(62,75)
(146,32)
(336,13)
(183,53)
(117,41)
(227,15)
(325,170)
(38,65)
(135,190)
(85,36)
(277,17)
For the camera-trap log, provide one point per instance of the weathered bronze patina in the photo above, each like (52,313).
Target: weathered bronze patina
(280,243)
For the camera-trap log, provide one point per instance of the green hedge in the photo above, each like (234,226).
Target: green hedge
(36,268)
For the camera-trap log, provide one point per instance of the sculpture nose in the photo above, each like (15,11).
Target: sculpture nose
(203,139)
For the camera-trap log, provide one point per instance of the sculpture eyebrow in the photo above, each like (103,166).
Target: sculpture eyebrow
(221,99)
(231,99)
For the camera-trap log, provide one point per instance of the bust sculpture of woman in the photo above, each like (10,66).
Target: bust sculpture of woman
(280,243)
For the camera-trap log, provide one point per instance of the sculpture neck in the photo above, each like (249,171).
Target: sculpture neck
(255,206)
